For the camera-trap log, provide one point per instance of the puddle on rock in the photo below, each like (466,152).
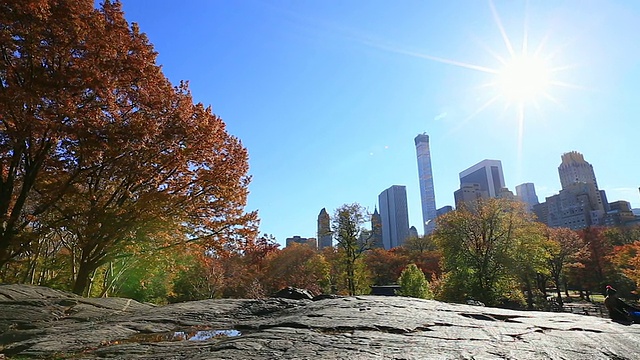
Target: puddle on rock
(206,334)
(185,335)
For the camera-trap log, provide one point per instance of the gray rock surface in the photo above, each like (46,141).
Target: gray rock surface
(36,322)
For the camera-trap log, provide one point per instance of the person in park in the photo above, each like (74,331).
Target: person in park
(618,309)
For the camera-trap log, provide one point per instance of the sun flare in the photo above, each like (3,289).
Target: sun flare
(523,79)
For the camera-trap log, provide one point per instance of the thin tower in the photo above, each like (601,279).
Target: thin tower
(427,193)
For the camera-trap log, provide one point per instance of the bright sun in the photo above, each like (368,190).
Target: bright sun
(523,79)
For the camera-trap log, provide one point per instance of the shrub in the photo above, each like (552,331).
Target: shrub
(413,283)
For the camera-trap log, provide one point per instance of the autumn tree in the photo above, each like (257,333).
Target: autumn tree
(622,235)
(385,266)
(597,269)
(626,259)
(95,140)
(564,248)
(297,265)
(352,239)
(481,245)
(423,252)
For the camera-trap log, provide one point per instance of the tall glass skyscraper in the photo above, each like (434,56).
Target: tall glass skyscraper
(394,214)
(427,193)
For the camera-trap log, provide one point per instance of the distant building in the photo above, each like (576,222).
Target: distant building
(413,232)
(469,194)
(425,176)
(487,174)
(527,194)
(324,230)
(575,207)
(394,213)
(376,229)
(574,169)
(443,210)
(311,242)
(620,214)
(580,203)
(542,212)
(505,193)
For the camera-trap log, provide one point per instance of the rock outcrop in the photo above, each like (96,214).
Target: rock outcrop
(37,322)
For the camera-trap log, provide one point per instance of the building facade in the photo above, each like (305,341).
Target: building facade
(443,210)
(469,194)
(487,174)
(527,194)
(580,203)
(311,242)
(574,168)
(324,230)
(394,214)
(425,176)
(376,230)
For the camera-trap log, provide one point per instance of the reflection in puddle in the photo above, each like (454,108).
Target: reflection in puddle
(205,334)
(191,335)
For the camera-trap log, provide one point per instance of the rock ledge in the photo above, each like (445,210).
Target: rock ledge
(37,322)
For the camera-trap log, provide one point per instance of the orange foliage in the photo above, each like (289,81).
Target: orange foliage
(626,258)
(95,139)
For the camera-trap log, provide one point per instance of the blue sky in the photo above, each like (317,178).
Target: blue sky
(328,95)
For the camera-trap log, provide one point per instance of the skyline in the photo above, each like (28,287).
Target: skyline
(328,96)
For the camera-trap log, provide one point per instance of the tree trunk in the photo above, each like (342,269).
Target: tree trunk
(82,278)
(557,281)
(529,294)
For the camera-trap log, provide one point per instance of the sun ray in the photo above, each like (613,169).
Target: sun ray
(458,63)
(523,76)
(568,85)
(505,38)
(563,68)
(486,48)
(520,131)
(541,45)
(525,32)
(430,57)
(552,99)
(475,113)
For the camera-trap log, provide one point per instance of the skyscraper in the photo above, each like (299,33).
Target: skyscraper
(575,169)
(580,203)
(487,174)
(527,194)
(425,175)
(324,230)
(394,214)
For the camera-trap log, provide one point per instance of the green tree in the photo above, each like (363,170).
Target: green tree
(352,240)
(483,246)
(413,283)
